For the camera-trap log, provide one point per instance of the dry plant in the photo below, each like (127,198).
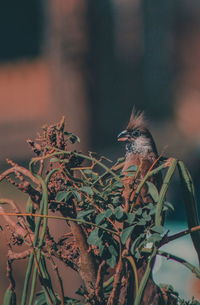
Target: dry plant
(112,247)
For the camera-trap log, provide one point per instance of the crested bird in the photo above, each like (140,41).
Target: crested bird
(141,152)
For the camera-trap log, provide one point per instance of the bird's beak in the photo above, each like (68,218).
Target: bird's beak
(123,136)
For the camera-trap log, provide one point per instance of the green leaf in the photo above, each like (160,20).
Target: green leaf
(52,160)
(91,174)
(120,159)
(112,250)
(152,191)
(130,218)
(142,222)
(116,185)
(71,301)
(82,214)
(72,137)
(126,234)
(138,254)
(87,171)
(132,168)
(101,247)
(158,229)
(149,206)
(119,213)
(102,216)
(93,238)
(77,195)
(87,189)
(146,216)
(136,243)
(60,196)
(131,174)
(153,211)
(112,261)
(139,212)
(40,299)
(168,205)
(116,200)
(156,237)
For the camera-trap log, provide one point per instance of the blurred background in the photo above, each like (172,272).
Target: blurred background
(91,61)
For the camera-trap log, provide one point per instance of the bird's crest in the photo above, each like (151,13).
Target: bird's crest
(137,120)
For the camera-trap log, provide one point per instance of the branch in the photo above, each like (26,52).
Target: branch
(18,256)
(192,268)
(113,298)
(99,282)
(87,264)
(167,239)
(19,169)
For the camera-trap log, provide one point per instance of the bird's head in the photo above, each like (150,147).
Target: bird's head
(136,136)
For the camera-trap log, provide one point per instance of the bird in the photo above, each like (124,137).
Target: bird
(142,153)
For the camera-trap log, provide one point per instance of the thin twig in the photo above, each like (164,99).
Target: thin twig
(61,218)
(55,267)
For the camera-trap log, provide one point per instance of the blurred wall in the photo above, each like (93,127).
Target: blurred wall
(42,78)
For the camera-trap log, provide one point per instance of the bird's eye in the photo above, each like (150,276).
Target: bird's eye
(136,133)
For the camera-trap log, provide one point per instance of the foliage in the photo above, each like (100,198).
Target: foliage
(105,242)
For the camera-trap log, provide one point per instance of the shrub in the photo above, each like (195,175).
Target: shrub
(111,247)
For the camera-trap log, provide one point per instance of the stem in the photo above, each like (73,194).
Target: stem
(44,209)
(145,278)
(55,267)
(163,191)
(134,269)
(192,268)
(50,296)
(61,218)
(31,259)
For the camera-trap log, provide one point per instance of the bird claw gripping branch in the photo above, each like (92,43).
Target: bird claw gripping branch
(112,212)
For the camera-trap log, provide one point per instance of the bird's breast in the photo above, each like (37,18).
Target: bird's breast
(140,162)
